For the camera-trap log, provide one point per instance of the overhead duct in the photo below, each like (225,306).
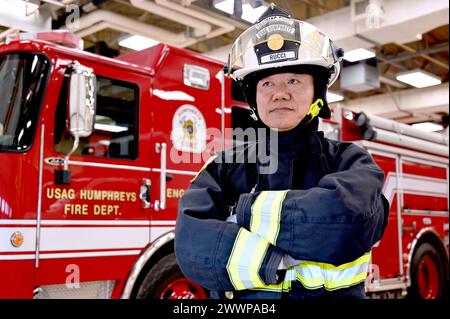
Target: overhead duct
(224,27)
(132,28)
(391,82)
(360,76)
(102,19)
(201,22)
(401,23)
(201,28)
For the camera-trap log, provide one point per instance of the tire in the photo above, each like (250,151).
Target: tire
(166,281)
(427,274)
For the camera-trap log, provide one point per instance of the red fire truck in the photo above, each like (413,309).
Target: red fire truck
(96,152)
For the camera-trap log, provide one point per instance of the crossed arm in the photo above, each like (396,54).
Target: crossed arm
(335,223)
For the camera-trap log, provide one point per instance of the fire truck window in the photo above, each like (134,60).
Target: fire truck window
(23,77)
(115,127)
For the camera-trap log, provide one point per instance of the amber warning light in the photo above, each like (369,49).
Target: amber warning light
(17,239)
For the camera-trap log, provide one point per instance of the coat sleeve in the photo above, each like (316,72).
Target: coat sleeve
(217,254)
(335,222)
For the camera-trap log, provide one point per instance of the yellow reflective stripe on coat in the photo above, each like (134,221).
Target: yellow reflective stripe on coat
(315,275)
(245,260)
(266,214)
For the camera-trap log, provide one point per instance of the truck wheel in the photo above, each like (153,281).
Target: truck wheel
(166,281)
(427,273)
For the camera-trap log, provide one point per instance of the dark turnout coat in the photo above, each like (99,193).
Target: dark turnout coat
(322,206)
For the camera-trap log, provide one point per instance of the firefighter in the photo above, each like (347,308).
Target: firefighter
(306,229)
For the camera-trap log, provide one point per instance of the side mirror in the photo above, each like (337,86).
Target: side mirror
(80,111)
(82,101)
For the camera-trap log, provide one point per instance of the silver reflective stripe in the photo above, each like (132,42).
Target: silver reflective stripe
(260,221)
(266,214)
(315,275)
(291,274)
(245,260)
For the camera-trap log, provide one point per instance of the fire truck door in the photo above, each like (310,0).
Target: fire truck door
(23,78)
(93,229)
(186,132)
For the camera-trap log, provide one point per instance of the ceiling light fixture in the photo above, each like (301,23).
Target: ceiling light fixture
(251,14)
(428,126)
(137,42)
(249,11)
(358,55)
(418,78)
(29,6)
(224,5)
(334,97)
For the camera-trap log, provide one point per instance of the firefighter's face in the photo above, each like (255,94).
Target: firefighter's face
(283,99)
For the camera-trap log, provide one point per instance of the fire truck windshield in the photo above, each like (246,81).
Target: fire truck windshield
(23,77)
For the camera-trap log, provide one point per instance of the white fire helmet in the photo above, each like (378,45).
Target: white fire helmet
(279,42)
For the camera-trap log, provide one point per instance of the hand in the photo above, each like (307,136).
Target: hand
(287,261)
(232,218)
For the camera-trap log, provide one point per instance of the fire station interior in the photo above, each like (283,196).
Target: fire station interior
(395,67)
(398,40)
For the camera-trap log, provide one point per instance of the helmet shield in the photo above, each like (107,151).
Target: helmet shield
(279,41)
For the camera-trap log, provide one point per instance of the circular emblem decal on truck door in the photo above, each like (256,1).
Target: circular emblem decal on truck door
(188,129)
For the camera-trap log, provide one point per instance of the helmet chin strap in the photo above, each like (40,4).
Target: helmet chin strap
(314,110)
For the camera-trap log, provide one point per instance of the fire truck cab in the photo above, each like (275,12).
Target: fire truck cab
(96,153)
